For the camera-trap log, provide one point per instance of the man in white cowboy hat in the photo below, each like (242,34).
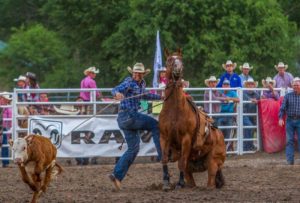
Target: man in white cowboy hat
(131,121)
(21,84)
(253,96)
(291,107)
(5,99)
(234,79)
(271,93)
(245,68)
(89,83)
(283,79)
(212,82)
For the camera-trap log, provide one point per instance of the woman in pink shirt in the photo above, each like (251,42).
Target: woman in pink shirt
(89,82)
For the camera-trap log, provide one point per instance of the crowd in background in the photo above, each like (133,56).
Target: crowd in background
(227,97)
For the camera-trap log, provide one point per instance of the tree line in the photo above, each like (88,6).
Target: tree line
(59,39)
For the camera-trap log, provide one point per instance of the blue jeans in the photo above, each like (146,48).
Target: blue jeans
(4,150)
(292,126)
(131,123)
(248,133)
(225,121)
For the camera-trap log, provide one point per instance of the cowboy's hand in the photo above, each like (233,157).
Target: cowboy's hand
(281,122)
(119,96)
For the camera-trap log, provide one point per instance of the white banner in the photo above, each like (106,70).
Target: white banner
(88,137)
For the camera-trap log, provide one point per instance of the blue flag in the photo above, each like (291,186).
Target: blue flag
(157,61)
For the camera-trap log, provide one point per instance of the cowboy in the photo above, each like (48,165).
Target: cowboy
(234,79)
(130,92)
(89,82)
(283,79)
(212,82)
(245,72)
(291,107)
(271,93)
(253,96)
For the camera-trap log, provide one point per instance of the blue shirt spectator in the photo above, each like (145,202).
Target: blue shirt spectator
(235,80)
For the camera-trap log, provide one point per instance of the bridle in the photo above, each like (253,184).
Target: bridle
(175,64)
(175,67)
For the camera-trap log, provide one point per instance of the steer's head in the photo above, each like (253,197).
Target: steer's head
(19,147)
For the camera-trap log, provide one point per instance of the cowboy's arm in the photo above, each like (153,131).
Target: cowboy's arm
(283,107)
(119,91)
(221,81)
(282,111)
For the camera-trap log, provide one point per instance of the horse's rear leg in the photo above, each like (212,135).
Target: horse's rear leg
(212,172)
(165,157)
(183,163)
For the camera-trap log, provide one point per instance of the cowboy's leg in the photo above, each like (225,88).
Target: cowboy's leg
(289,141)
(133,144)
(145,122)
(126,123)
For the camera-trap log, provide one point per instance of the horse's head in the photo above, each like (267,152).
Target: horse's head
(174,65)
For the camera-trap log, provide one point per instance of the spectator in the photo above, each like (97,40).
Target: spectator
(253,96)
(283,79)
(32,84)
(6,126)
(89,83)
(21,84)
(227,106)
(291,107)
(245,72)
(130,92)
(211,82)
(271,93)
(234,79)
(44,109)
(162,78)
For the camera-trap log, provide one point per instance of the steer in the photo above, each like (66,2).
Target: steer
(34,155)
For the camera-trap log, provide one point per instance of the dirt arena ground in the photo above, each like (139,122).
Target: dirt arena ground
(257,177)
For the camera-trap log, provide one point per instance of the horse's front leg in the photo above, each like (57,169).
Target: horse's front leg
(165,146)
(183,163)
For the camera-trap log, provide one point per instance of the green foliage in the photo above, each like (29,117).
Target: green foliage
(34,49)
(111,35)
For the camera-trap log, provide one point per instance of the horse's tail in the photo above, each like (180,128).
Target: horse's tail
(220,180)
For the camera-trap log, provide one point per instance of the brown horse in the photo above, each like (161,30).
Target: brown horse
(187,133)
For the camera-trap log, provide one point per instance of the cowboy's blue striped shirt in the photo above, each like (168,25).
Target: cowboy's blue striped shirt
(290,105)
(131,88)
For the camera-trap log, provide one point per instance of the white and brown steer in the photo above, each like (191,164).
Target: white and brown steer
(34,155)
